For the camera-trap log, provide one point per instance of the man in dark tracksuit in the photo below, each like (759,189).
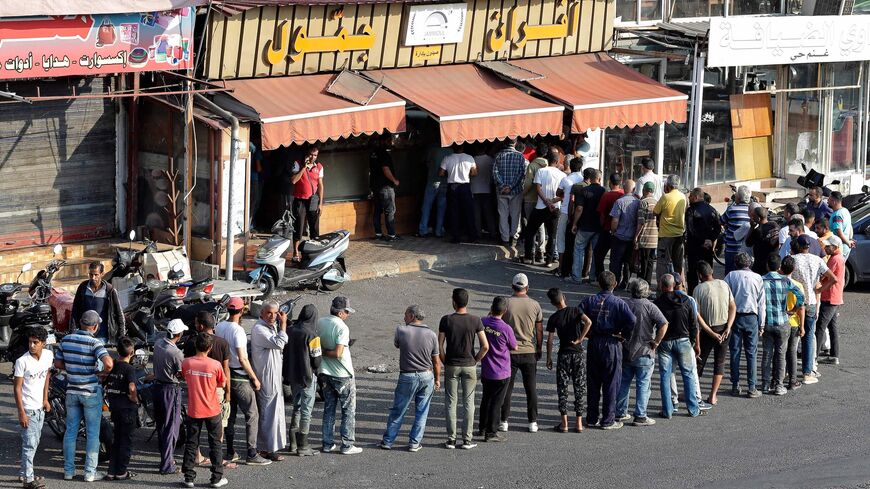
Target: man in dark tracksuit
(703,228)
(612,322)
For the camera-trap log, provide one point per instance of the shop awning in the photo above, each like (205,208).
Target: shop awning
(298,109)
(470,103)
(27,8)
(602,92)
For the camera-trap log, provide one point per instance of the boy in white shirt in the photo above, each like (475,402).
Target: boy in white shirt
(32,374)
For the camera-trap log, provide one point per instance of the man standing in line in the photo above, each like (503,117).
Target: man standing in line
(383,185)
(204,376)
(612,322)
(526,318)
(763,239)
(419,378)
(336,371)
(268,339)
(563,230)
(307,180)
(507,176)
(302,358)
(841,223)
(571,326)
(481,187)
(795,320)
(435,193)
(748,290)
(623,226)
(649,176)
(495,369)
(831,300)
(777,329)
(702,231)
(816,278)
(605,205)
(817,204)
(243,385)
(717,308)
(676,346)
(456,333)
(167,393)
(95,294)
(736,223)
(530,200)
(646,239)
(671,210)
(585,224)
(546,210)
(459,168)
(638,360)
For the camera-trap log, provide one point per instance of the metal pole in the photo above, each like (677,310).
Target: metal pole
(696,116)
(234,150)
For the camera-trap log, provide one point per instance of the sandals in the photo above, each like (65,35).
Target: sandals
(36,483)
(230,465)
(203,462)
(273,457)
(127,476)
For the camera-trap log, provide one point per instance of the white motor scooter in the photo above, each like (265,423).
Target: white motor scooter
(322,262)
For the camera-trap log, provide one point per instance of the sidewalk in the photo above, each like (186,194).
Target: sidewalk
(374,258)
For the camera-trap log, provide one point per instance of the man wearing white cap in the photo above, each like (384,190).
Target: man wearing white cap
(525,317)
(167,398)
(832,299)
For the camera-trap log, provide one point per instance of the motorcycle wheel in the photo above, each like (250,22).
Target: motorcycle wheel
(266,285)
(106,435)
(719,255)
(332,286)
(56,419)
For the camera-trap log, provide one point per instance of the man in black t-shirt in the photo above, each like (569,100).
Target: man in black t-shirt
(456,335)
(383,186)
(571,326)
(123,402)
(586,223)
(763,238)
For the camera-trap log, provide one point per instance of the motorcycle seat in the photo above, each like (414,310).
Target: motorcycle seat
(321,243)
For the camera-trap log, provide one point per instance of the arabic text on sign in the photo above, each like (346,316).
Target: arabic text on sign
(519,33)
(427,53)
(300,44)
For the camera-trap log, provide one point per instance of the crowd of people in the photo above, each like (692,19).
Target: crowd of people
(781,293)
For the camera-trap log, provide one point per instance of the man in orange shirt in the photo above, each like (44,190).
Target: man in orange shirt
(203,376)
(605,205)
(832,299)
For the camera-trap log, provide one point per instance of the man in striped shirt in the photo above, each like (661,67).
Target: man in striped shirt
(736,222)
(83,357)
(777,329)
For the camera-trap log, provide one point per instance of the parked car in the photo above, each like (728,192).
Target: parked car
(858,264)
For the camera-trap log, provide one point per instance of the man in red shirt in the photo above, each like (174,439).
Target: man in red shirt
(203,376)
(832,299)
(307,180)
(605,205)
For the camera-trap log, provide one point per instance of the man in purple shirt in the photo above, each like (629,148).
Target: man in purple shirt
(495,369)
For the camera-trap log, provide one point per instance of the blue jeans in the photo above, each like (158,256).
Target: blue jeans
(417,387)
(90,408)
(584,239)
(642,370)
(808,342)
(434,191)
(30,441)
(681,351)
(303,404)
(744,335)
(339,390)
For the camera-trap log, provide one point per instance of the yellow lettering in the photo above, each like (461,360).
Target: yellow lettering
(274,56)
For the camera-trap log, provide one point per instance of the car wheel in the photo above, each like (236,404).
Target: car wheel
(850,277)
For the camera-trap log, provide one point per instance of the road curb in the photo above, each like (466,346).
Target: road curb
(427,261)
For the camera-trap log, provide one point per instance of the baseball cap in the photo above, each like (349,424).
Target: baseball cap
(90,319)
(649,187)
(341,303)
(520,280)
(803,241)
(236,304)
(835,241)
(176,326)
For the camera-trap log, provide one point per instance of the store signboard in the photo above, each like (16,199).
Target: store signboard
(435,24)
(34,47)
(745,41)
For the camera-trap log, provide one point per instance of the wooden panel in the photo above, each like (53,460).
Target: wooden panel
(348,21)
(357,216)
(753,158)
(608,26)
(584,34)
(284,13)
(475,30)
(751,115)
(316,26)
(266,29)
(213,68)
(548,10)
(232,36)
(248,51)
(391,36)
(330,28)
(599,17)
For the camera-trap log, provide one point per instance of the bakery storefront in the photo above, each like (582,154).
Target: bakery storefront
(431,74)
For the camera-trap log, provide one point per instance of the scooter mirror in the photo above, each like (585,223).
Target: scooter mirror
(57,249)
(177,267)
(132,235)
(26,267)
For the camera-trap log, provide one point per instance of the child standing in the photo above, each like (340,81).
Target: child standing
(32,374)
(123,401)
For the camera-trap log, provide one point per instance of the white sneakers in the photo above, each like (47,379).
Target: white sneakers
(503,426)
(351,451)
(533,427)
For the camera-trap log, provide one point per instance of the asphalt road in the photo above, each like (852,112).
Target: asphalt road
(815,437)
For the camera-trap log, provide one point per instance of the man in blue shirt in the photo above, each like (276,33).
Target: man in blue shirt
(612,323)
(817,205)
(507,177)
(83,357)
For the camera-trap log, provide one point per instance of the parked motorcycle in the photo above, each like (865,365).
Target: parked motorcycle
(322,262)
(129,262)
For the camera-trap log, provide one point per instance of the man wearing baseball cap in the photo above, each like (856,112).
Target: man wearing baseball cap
(336,369)
(832,299)
(526,319)
(167,393)
(243,384)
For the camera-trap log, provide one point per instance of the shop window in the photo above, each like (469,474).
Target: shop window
(803,130)
(632,11)
(625,148)
(846,116)
(754,7)
(715,8)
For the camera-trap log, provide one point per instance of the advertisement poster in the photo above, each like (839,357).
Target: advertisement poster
(33,47)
